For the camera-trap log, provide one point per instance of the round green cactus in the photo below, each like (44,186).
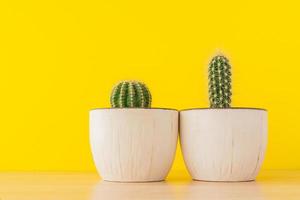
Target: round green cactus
(130,94)
(219,82)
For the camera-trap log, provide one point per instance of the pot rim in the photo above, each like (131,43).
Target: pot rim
(231,108)
(170,109)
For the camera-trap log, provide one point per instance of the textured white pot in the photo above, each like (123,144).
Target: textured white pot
(223,144)
(133,144)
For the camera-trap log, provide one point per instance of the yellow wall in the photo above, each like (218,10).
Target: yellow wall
(58,59)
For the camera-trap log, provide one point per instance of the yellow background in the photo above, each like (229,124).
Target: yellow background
(58,59)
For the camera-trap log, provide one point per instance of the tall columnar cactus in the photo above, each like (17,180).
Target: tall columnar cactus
(130,94)
(219,82)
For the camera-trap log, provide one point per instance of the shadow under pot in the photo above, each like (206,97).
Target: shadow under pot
(133,144)
(223,144)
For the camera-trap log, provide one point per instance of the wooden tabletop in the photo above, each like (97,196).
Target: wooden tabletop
(271,184)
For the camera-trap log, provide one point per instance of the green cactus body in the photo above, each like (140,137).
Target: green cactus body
(219,82)
(130,94)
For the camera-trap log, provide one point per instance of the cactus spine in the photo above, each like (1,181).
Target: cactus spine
(219,82)
(130,94)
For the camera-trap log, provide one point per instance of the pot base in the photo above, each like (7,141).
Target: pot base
(134,181)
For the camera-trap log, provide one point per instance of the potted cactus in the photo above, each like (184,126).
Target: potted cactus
(132,142)
(221,143)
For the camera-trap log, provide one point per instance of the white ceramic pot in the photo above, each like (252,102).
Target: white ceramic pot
(223,144)
(133,144)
